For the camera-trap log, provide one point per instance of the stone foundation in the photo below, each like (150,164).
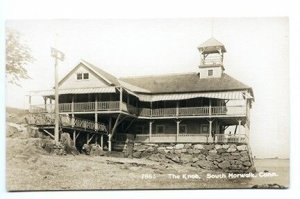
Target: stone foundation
(224,157)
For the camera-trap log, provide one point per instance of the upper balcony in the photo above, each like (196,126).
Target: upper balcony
(114,106)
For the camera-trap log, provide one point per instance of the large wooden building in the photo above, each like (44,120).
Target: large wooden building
(207,105)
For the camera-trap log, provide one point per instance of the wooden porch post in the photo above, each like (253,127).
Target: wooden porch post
(177,129)
(45,103)
(239,130)
(210,131)
(209,107)
(101,141)
(151,109)
(96,113)
(74,138)
(177,108)
(121,96)
(87,138)
(150,130)
(109,133)
(72,111)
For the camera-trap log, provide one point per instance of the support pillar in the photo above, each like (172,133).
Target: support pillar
(121,96)
(109,142)
(239,130)
(87,138)
(177,129)
(177,108)
(210,137)
(209,107)
(45,103)
(96,114)
(74,138)
(72,111)
(109,133)
(150,130)
(101,141)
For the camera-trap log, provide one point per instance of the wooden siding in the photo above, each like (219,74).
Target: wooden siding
(72,82)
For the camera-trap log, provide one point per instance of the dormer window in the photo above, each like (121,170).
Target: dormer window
(85,76)
(210,73)
(81,76)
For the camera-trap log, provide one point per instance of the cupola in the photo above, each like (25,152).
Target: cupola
(212,54)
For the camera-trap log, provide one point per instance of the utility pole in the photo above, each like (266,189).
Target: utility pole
(57,55)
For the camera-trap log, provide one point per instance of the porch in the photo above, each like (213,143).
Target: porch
(185,138)
(113,106)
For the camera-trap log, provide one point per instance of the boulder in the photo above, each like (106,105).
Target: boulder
(195,160)
(196,151)
(137,154)
(231,149)
(212,157)
(201,157)
(242,147)
(190,151)
(247,164)
(205,164)
(173,157)
(224,165)
(213,152)
(186,158)
(161,150)
(187,146)
(198,146)
(225,146)
(209,147)
(218,146)
(244,158)
(169,147)
(96,150)
(179,146)
(221,150)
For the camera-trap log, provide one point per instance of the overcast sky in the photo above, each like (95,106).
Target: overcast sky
(257,55)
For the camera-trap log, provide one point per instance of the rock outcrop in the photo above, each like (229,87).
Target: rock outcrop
(226,157)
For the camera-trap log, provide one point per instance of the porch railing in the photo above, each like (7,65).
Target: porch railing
(144,112)
(193,138)
(65,121)
(234,138)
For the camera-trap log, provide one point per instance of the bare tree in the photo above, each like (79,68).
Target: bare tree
(17,57)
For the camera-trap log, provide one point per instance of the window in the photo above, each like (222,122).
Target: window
(79,76)
(85,76)
(183,129)
(210,72)
(160,129)
(204,128)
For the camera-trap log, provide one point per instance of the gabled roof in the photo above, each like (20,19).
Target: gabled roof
(102,73)
(108,78)
(189,82)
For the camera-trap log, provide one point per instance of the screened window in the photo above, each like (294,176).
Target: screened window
(160,129)
(182,129)
(210,72)
(204,128)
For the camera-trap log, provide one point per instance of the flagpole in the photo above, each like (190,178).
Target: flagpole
(56,130)
(57,55)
